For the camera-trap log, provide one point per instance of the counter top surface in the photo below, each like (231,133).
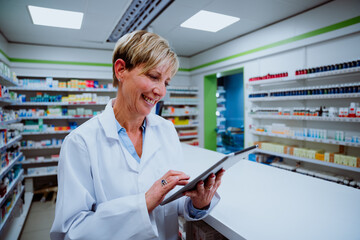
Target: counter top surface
(264,202)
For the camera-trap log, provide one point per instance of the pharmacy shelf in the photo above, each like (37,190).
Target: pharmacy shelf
(180,103)
(6,81)
(306,118)
(56,117)
(188,137)
(11,211)
(18,222)
(40,148)
(45,133)
(41,175)
(12,186)
(306,97)
(5,123)
(10,143)
(50,89)
(221,109)
(308,139)
(11,164)
(48,160)
(318,162)
(7,100)
(313,76)
(187,92)
(179,115)
(57,104)
(186,126)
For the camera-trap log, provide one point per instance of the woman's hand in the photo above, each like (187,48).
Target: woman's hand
(156,194)
(201,197)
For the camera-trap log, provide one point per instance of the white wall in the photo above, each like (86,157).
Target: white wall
(332,47)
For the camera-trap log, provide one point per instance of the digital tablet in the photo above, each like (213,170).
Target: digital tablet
(224,163)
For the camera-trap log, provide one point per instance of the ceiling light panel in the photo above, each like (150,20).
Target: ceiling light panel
(209,21)
(55,18)
(139,15)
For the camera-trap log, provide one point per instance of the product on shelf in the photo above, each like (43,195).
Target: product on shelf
(328,68)
(71,98)
(49,82)
(321,155)
(309,133)
(269,76)
(42,171)
(43,143)
(6,73)
(353,111)
(308,91)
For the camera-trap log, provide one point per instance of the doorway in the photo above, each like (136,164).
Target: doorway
(224,111)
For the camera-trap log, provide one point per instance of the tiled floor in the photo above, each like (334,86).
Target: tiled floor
(39,221)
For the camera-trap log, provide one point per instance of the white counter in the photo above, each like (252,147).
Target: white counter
(264,202)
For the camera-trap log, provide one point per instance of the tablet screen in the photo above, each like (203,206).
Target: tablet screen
(224,163)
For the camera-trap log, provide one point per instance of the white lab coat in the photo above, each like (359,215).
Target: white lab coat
(102,187)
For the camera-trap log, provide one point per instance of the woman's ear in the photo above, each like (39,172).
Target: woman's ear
(119,68)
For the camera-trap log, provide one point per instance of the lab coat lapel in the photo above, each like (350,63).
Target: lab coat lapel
(108,123)
(151,143)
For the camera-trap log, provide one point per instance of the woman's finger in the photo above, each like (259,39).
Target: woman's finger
(210,181)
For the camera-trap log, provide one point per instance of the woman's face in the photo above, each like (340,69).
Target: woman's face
(143,90)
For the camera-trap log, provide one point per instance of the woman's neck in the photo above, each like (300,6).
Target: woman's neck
(126,119)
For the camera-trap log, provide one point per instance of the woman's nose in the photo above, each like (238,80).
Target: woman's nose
(160,90)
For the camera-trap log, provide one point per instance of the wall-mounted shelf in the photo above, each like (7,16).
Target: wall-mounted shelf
(307,97)
(326,141)
(186,126)
(10,143)
(6,81)
(50,160)
(11,211)
(48,89)
(333,165)
(11,187)
(11,164)
(5,123)
(314,76)
(45,133)
(57,104)
(306,118)
(40,175)
(55,117)
(40,148)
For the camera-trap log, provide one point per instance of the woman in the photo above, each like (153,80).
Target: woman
(116,168)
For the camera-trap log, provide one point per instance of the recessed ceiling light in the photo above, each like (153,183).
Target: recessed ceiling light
(55,18)
(209,21)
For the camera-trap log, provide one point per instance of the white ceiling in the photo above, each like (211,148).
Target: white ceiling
(100,18)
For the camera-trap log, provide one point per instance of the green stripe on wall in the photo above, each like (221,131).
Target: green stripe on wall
(320,31)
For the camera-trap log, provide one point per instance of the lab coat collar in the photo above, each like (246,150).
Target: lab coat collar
(151,145)
(108,121)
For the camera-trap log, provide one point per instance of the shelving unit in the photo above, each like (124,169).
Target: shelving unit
(220,119)
(42,104)
(331,124)
(12,161)
(180,105)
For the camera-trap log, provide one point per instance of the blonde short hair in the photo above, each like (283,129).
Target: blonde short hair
(142,47)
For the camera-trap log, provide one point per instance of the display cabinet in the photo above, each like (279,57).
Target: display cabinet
(180,106)
(317,113)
